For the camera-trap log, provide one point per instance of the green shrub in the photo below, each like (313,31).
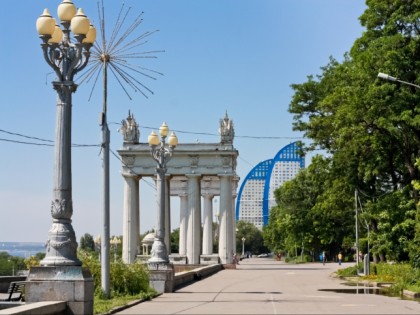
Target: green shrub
(288,259)
(125,279)
(416,261)
(347,272)
(91,262)
(129,279)
(403,276)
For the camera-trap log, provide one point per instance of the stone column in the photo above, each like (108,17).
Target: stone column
(208,224)
(235,180)
(225,213)
(234,223)
(183,224)
(130,218)
(194,219)
(168,214)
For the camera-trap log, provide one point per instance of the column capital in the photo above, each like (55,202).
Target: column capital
(131,175)
(207,195)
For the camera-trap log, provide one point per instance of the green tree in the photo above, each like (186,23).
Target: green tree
(313,212)
(254,241)
(371,128)
(5,266)
(10,265)
(87,242)
(175,241)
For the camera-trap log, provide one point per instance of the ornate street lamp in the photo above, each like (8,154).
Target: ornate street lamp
(66,59)
(161,153)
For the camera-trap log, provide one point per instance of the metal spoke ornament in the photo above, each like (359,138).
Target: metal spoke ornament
(121,53)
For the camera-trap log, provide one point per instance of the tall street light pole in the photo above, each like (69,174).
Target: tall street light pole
(161,153)
(66,59)
(394,79)
(243,246)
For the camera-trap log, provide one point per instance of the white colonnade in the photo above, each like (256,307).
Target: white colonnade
(196,174)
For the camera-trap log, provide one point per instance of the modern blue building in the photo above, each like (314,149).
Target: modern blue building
(256,195)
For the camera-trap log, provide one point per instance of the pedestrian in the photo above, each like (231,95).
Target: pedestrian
(324,257)
(340,257)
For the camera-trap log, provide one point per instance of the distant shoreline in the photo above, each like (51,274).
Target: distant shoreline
(22,249)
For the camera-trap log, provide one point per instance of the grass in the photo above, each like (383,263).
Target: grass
(402,276)
(104,306)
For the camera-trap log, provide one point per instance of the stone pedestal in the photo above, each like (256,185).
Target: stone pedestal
(178,259)
(212,259)
(72,284)
(161,277)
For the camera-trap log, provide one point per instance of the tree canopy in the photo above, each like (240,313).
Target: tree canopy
(370,130)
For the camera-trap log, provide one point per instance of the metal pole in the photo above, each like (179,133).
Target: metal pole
(105,264)
(357,229)
(394,79)
(159,252)
(66,59)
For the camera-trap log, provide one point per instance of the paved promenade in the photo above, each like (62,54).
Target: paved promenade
(265,286)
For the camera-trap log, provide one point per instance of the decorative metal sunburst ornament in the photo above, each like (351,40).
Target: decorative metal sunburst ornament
(120,54)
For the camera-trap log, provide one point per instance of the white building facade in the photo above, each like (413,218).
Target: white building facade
(256,194)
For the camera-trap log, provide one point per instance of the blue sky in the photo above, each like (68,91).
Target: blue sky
(239,56)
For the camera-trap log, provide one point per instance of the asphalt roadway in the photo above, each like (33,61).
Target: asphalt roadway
(265,286)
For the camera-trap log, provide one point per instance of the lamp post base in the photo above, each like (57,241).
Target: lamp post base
(161,277)
(159,253)
(72,284)
(61,246)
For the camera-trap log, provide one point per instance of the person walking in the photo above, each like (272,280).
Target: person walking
(340,257)
(324,257)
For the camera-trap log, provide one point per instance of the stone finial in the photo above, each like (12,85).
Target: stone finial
(227,133)
(130,129)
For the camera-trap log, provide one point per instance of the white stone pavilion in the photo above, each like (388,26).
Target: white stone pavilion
(195,171)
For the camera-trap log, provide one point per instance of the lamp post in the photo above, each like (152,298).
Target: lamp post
(394,79)
(243,246)
(161,153)
(115,241)
(66,59)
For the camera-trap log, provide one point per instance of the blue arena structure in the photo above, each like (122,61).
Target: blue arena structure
(256,194)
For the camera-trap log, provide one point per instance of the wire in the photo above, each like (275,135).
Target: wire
(20,135)
(242,159)
(215,134)
(131,169)
(371,197)
(40,139)
(22,142)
